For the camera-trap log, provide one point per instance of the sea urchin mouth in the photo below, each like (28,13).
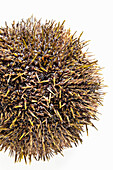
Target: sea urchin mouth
(49,89)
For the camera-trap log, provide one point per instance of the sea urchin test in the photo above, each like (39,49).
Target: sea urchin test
(49,89)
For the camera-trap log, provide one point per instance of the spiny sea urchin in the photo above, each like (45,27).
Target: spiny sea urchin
(49,89)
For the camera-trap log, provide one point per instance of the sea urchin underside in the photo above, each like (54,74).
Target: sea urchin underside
(49,89)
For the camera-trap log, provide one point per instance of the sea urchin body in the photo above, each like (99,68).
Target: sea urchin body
(49,89)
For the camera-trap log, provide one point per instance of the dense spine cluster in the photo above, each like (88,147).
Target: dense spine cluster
(49,89)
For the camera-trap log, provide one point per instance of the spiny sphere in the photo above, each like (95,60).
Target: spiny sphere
(49,89)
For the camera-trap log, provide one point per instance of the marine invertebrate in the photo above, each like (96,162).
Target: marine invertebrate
(49,89)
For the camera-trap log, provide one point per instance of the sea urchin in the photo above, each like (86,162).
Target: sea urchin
(49,89)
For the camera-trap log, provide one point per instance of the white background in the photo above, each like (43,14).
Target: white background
(95,18)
